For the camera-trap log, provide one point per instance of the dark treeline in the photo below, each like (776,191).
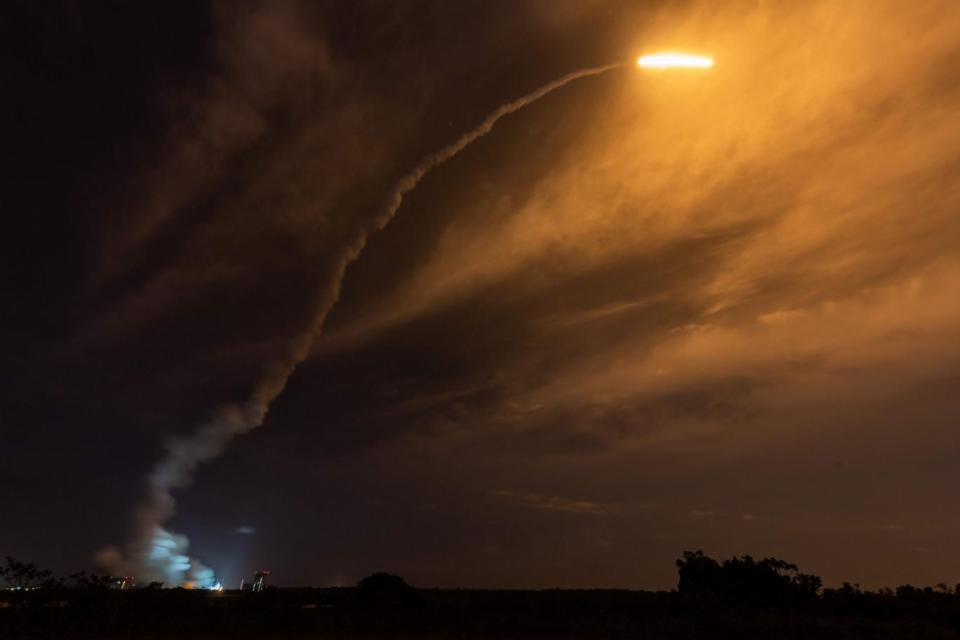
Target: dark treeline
(737,598)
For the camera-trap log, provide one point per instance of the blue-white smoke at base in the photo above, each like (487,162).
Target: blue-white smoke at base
(168,560)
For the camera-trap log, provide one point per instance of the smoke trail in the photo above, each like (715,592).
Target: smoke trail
(151,556)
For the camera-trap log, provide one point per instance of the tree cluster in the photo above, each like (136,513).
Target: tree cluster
(25,575)
(767,581)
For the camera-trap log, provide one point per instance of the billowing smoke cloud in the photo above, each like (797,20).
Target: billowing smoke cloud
(158,554)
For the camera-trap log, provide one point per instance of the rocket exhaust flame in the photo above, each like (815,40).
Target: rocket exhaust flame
(157,554)
(670,60)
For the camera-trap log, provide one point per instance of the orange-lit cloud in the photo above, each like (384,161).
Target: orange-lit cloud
(716,265)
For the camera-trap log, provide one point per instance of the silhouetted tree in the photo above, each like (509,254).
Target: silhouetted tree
(807,584)
(907,591)
(698,573)
(23,575)
(91,581)
(387,589)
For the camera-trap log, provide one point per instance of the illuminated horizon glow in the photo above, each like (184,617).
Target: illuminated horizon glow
(674,60)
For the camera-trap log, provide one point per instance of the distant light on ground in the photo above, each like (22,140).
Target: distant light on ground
(669,60)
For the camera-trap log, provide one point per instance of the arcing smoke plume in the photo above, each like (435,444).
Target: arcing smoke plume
(157,554)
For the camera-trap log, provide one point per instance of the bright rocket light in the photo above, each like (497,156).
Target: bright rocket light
(671,60)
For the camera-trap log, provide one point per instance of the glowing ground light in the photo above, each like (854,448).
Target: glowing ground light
(670,60)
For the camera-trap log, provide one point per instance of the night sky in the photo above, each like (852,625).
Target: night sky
(652,311)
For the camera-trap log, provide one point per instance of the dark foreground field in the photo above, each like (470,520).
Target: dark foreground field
(309,613)
(737,598)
